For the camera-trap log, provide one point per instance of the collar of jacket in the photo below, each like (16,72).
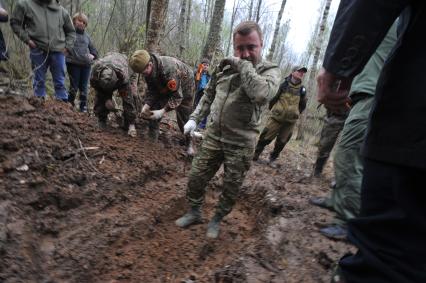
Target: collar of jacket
(158,72)
(52,5)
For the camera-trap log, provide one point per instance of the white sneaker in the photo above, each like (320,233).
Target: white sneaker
(198,135)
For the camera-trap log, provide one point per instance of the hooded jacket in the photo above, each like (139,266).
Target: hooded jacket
(46,23)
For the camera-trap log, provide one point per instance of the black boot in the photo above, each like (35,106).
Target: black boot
(261,144)
(319,166)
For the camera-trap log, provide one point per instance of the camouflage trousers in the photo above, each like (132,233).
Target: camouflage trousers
(330,132)
(348,163)
(236,162)
(281,131)
(129,107)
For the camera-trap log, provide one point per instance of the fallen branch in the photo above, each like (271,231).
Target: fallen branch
(88,160)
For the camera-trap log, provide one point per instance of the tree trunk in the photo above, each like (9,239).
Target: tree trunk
(277,29)
(259,6)
(234,13)
(181,28)
(188,23)
(213,38)
(250,15)
(155,30)
(313,72)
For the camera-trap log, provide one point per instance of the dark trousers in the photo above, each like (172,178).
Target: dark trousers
(390,232)
(79,81)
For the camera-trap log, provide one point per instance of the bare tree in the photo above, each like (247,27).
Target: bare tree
(155,28)
(259,6)
(234,13)
(181,27)
(213,38)
(313,72)
(277,29)
(250,15)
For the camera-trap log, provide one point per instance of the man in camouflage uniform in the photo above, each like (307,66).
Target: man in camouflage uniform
(170,87)
(238,93)
(111,73)
(333,125)
(289,101)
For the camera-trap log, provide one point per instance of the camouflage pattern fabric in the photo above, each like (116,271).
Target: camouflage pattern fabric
(280,125)
(329,133)
(235,101)
(126,87)
(211,155)
(171,86)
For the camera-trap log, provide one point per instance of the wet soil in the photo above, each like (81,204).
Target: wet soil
(78,204)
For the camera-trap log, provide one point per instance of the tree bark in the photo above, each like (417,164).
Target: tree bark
(181,28)
(213,38)
(259,6)
(277,29)
(313,71)
(155,30)
(234,13)
(250,15)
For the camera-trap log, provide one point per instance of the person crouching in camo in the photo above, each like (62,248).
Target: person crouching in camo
(112,73)
(285,107)
(170,87)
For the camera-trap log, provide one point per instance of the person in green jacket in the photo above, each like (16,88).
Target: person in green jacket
(236,97)
(46,27)
(288,103)
(345,198)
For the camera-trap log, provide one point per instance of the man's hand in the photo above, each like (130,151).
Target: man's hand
(157,114)
(32,44)
(232,62)
(333,91)
(66,52)
(189,127)
(91,57)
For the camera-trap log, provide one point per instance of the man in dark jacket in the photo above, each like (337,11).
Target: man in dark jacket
(46,27)
(391,228)
(286,106)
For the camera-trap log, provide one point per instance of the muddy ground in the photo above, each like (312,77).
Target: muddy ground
(81,205)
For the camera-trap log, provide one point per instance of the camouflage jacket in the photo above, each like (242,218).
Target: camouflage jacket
(171,81)
(127,79)
(236,102)
(289,101)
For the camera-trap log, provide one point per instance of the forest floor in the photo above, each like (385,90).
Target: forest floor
(82,205)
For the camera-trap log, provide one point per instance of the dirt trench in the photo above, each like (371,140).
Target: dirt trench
(81,205)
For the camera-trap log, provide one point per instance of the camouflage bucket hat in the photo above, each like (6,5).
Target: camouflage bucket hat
(108,78)
(139,60)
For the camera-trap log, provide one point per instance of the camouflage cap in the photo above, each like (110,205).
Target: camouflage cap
(299,68)
(108,78)
(139,60)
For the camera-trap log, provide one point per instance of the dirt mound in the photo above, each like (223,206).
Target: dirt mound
(82,205)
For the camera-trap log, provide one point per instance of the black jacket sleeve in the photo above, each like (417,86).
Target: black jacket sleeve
(358,29)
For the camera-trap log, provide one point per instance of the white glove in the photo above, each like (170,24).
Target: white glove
(189,127)
(145,113)
(157,114)
(132,131)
